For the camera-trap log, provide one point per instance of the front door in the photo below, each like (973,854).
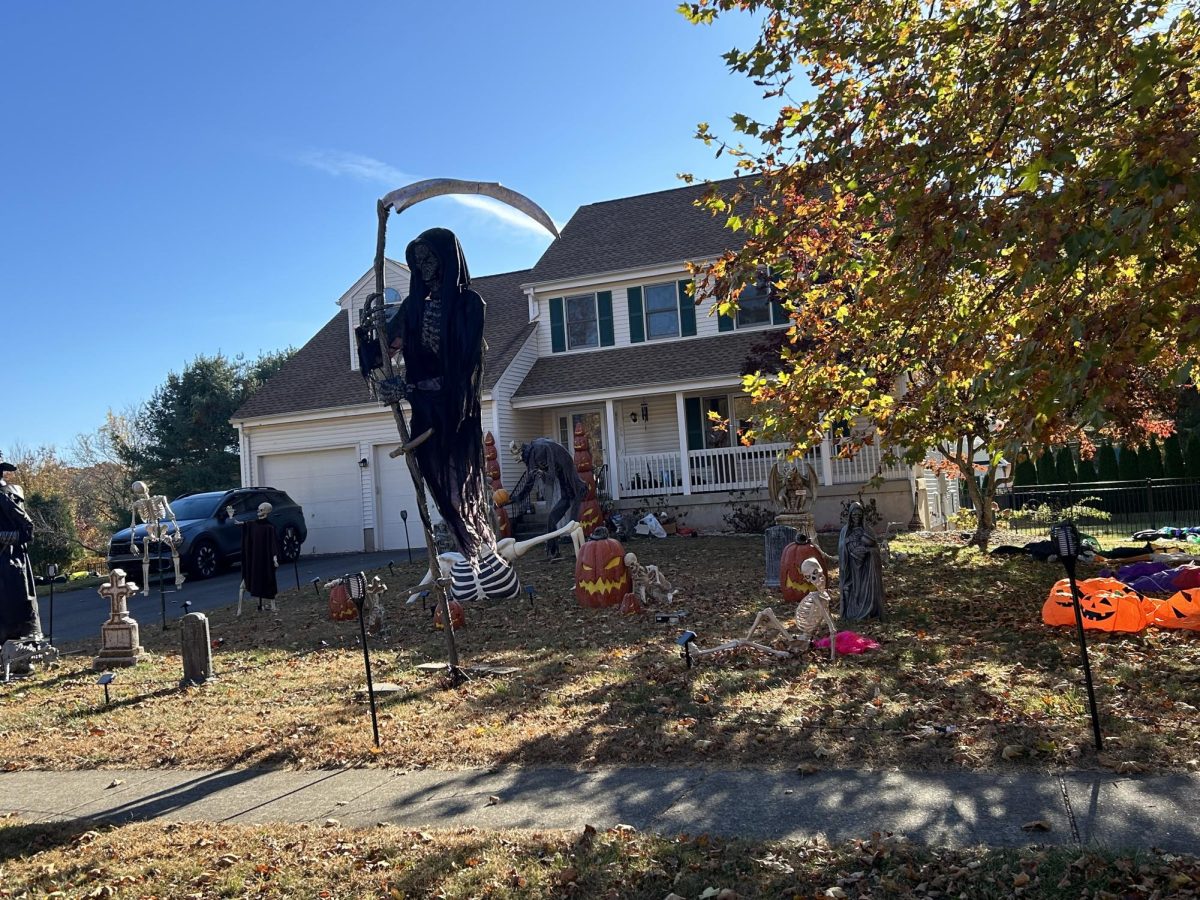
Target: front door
(592,420)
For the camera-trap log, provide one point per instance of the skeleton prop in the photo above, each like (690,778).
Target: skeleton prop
(161,527)
(487,580)
(252,575)
(649,584)
(549,464)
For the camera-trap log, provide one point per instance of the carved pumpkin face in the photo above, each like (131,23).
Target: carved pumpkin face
(1180,610)
(458,615)
(341,607)
(631,605)
(1105,605)
(601,576)
(792,581)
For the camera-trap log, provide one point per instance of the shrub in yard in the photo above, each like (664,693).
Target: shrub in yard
(1173,465)
(1046,471)
(749,518)
(1151,461)
(1191,458)
(1025,472)
(1128,466)
(1106,464)
(1064,466)
(1087,471)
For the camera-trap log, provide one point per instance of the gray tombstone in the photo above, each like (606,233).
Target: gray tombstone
(777,538)
(197,649)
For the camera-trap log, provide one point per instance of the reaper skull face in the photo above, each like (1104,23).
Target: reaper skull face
(812,571)
(264,510)
(426,262)
(140,490)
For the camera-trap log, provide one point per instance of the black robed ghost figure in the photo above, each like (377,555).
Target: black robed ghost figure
(439,328)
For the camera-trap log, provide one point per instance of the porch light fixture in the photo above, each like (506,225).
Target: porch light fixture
(633,417)
(363,463)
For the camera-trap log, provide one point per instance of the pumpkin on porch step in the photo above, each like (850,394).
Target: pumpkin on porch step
(601,576)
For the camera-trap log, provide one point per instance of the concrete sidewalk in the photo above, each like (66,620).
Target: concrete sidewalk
(940,809)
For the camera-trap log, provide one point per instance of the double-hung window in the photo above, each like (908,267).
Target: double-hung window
(581,322)
(754,308)
(662,310)
(583,329)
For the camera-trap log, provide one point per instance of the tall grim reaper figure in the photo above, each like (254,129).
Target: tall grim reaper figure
(439,329)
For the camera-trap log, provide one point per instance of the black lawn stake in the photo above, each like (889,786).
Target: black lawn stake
(407,542)
(106,679)
(1065,537)
(296,570)
(532,593)
(357,585)
(685,642)
(316,586)
(391,571)
(51,577)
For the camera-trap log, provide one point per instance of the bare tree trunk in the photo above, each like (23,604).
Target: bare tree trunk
(982,496)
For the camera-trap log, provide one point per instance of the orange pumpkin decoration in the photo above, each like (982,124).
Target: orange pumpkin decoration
(341,607)
(1105,604)
(458,615)
(631,605)
(1180,610)
(792,582)
(601,576)
(501,497)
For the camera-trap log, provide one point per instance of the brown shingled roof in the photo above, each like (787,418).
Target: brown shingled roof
(319,375)
(630,232)
(647,364)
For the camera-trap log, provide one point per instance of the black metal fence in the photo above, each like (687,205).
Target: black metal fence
(1112,508)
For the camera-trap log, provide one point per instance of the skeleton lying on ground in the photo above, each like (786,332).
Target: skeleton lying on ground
(648,582)
(161,527)
(493,577)
(811,613)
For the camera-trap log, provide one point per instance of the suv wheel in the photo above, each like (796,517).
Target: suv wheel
(289,544)
(205,561)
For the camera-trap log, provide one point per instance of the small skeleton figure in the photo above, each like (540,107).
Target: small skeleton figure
(161,527)
(765,619)
(813,610)
(373,615)
(648,582)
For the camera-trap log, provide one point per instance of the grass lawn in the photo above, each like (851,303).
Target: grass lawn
(202,861)
(963,646)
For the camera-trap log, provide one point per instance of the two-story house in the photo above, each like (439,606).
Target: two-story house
(604,331)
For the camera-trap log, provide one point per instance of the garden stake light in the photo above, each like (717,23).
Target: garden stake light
(1065,537)
(407,542)
(106,679)
(357,585)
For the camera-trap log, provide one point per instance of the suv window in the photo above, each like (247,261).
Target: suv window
(244,502)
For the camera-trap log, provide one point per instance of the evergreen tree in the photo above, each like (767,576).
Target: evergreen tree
(1106,464)
(1064,466)
(1087,471)
(1025,472)
(1045,467)
(1192,455)
(1151,461)
(1128,466)
(1173,457)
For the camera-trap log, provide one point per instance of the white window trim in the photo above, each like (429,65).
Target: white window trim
(567,321)
(646,312)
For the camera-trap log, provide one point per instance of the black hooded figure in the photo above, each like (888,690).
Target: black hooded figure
(18,596)
(439,326)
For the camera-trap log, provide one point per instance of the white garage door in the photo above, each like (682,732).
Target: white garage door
(326,483)
(394,492)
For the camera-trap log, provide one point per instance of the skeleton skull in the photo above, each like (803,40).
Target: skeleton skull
(812,571)
(140,489)
(264,510)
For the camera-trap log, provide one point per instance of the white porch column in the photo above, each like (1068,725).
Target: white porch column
(826,461)
(614,459)
(685,469)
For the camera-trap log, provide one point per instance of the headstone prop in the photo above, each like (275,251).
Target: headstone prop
(260,558)
(438,330)
(196,648)
(548,463)
(590,516)
(777,538)
(860,568)
(159,526)
(1066,540)
(500,498)
(356,584)
(119,644)
(601,576)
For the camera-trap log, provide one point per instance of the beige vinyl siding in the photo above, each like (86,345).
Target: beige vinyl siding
(521,426)
(658,435)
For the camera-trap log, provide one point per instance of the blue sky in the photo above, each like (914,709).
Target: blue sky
(191,178)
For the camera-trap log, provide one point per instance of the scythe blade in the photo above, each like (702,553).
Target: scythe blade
(409,195)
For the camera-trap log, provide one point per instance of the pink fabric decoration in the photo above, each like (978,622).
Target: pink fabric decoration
(849,643)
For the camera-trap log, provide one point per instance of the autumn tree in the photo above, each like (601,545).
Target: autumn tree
(981,214)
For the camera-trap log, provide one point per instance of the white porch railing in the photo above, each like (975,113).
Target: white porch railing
(732,468)
(651,473)
(863,466)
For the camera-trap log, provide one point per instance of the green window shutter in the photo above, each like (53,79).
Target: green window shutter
(724,322)
(604,314)
(558,326)
(637,319)
(687,311)
(695,423)
(779,314)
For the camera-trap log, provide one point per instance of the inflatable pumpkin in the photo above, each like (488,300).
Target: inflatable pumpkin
(458,615)
(1104,603)
(1181,610)
(341,607)
(792,582)
(601,576)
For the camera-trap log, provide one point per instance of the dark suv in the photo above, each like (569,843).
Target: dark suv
(211,539)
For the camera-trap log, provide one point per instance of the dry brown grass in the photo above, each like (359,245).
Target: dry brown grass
(208,861)
(963,646)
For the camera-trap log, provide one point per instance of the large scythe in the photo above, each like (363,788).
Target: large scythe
(400,200)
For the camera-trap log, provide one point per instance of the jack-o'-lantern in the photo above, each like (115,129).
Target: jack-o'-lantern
(631,605)
(501,497)
(341,607)
(601,576)
(1180,610)
(1105,604)
(792,582)
(458,615)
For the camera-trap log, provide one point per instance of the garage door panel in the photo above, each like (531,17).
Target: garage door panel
(394,492)
(326,484)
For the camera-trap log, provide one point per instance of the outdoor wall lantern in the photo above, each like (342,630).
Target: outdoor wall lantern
(645,412)
(633,418)
(363,463)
